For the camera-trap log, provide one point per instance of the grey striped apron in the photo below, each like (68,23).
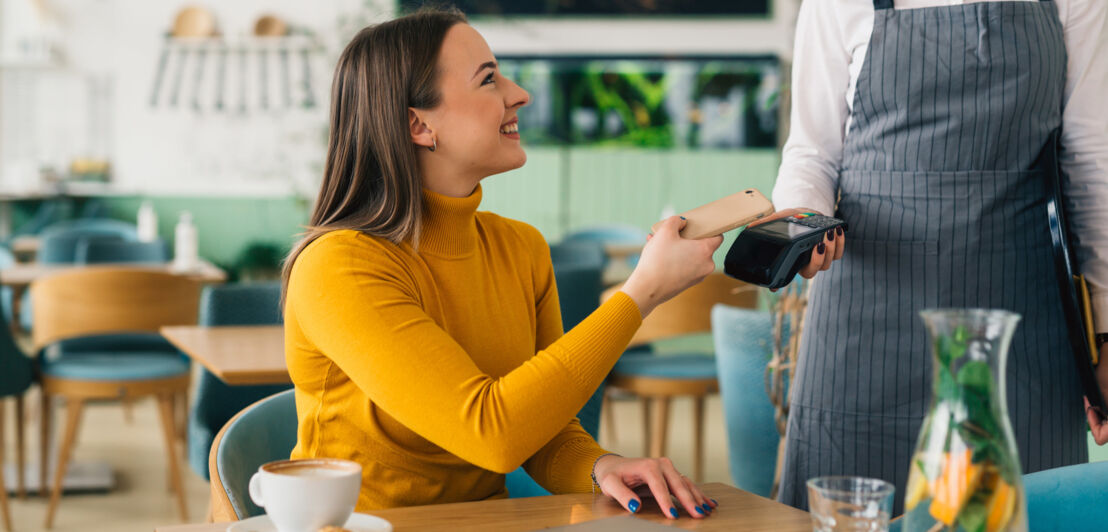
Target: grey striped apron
(952,107)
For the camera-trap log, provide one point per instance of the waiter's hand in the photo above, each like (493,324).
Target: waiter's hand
(1098,425)
(826,252)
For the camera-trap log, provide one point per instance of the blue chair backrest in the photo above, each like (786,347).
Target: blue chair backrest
(241,304)
(15,367)
(579,288)
(615,233)
(60,241)
(1067,498)
(581,253)
(215,401)
(262,433)
(744,343)
(99,251)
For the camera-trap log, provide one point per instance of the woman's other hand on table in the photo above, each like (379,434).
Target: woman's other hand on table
(619,478)
(826,252)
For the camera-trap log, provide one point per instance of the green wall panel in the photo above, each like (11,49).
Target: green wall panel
(557,191)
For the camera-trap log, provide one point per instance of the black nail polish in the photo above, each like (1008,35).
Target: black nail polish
(839,230)
(830,235)
(821,248)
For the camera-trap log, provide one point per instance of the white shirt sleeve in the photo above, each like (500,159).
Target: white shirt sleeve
(1084,153)
(812,156)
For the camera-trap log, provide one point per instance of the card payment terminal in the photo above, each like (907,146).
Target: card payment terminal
(772,253)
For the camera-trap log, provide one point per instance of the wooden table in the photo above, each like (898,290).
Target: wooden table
(19,276)
(237,355)
(738,510)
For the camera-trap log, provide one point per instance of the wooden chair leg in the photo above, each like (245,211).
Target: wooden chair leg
(698,439)
(74,408)
(3,486)
(165,408)
(182,404)
(45,420)
(658,426)
(20,448)
(128,414)
(608,414)
(645,404)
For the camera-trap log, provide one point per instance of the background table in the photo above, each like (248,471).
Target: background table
(237,355)
(20,275)
(738,510)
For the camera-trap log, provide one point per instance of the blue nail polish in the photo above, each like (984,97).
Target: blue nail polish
(682,217)
(707,508)
(715,502)
(699,510)
(633,506)
(673,512)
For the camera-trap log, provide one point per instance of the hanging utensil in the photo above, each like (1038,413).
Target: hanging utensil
(179,72)
(201,55)
(286,80)
(191,22)
(309,98)
(160,72)
(242,80)
(266,26)
(221,78)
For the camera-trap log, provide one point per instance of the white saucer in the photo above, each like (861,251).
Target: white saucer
(356,523)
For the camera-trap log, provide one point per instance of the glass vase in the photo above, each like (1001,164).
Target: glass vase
(965,474)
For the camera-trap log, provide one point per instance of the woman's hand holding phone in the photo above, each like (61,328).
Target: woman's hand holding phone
(669,264)
(828,251)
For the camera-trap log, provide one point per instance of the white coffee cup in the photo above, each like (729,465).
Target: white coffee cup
(307,494)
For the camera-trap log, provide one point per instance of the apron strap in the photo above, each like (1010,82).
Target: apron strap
(882,4)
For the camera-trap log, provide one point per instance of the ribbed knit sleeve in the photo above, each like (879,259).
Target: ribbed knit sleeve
(564,465)
(356,300)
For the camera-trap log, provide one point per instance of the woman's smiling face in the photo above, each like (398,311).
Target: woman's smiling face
(475,125)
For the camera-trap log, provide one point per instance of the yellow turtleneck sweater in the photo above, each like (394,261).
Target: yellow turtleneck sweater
(441,370)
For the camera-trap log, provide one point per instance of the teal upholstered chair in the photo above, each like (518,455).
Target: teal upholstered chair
(263,432)
(90,306)
(60,240)
(656,379)
(6,261)
(744,343)
(610,234)
(15,379)
(49,212)
(1070,499)
(582,253)
(99,251)
(215,401)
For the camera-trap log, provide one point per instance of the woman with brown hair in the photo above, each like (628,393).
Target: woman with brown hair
(423,337)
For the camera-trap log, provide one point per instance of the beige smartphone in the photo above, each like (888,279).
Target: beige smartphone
(724,214)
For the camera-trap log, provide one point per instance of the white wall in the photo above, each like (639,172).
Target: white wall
(111,50)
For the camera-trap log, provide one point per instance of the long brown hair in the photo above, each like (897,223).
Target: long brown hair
(371,179)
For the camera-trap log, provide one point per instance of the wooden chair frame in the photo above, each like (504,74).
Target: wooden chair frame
(98,300)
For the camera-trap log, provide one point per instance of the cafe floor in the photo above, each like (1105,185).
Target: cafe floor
(141,500)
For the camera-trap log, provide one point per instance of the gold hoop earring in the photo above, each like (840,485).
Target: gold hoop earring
(434,144)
